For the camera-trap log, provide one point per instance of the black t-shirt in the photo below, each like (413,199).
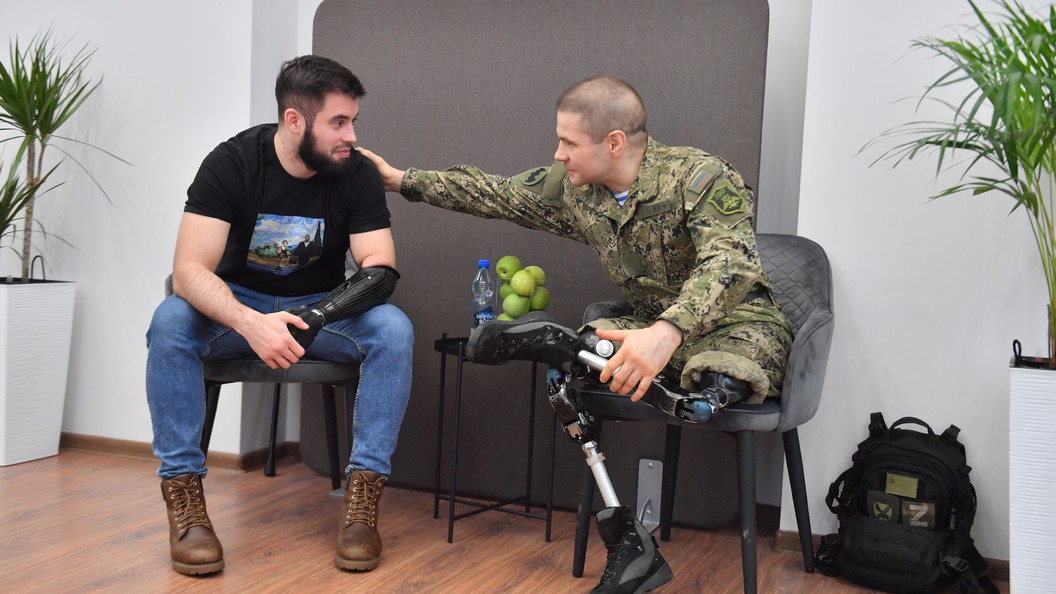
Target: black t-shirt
(288,236)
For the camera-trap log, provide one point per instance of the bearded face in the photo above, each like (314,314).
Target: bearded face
(332,160)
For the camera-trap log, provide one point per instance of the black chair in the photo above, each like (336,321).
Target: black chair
(802,278)
(327,374)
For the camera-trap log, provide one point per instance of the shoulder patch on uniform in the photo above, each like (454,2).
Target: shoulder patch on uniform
(700,182)
(726,200)
(533,176)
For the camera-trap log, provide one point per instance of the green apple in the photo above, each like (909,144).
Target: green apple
(515,305)
(505,317)
(507,266)
(505,290)
(539,300)
(523,283)
(540,276)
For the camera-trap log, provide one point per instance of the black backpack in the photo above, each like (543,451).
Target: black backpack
(906,508)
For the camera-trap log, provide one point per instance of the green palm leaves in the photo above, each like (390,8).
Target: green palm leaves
(39,92)
(1003,71)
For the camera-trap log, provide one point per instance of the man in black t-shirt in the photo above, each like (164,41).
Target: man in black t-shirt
(234,284)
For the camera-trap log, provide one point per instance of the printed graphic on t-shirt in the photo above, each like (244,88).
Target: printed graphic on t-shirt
(282,244)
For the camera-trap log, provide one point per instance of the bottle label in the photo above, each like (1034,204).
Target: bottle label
(482,316)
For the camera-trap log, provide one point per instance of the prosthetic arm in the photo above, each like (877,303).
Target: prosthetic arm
(363,290)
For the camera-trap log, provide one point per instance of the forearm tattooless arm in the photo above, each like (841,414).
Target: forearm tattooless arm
(363,290)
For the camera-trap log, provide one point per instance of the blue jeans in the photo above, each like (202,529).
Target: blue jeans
(382,340)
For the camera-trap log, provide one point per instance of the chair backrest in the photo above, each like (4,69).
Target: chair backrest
(802,279)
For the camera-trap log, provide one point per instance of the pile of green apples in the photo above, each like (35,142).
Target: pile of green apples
(522,288)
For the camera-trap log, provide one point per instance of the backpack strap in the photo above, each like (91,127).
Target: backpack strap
(965,561)
(836,504)
(915,421)
(877,426)
(827,553)
(951,433)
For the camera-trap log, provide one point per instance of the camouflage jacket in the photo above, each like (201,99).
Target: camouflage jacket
(681,248)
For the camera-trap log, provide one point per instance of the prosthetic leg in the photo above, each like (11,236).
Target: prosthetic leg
(634,562)
(363,290)
(537,337)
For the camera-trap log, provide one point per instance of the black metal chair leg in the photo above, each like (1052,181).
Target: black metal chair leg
(330,420)
(798,484)
(672,448)
(269,463)
(212,399)
(746,503)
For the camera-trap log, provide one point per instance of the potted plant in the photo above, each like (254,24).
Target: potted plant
(40,90)
(1002,129)
(1002,122)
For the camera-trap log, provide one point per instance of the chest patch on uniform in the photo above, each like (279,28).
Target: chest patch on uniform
(651,210)
(700,182)
(726,200)
(533,176)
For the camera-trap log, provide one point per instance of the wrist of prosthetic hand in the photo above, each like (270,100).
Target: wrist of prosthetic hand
(367,288)
(315,321)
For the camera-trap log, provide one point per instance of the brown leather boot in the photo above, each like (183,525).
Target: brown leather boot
(192,543)
(358,541)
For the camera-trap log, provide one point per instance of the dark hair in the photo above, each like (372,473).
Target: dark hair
(304,82)
(606,103)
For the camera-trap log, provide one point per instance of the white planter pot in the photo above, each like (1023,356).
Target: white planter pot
(36,323)
(1032,478)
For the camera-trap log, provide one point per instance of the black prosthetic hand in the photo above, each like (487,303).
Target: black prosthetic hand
(363,290)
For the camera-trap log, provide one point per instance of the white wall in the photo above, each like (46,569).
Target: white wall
(928,295)
(175,83)
(782,135)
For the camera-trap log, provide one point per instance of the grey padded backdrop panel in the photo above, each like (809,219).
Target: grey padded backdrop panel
(475,82)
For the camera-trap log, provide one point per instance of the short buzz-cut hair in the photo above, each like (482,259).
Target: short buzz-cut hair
(606,103)
(304,82)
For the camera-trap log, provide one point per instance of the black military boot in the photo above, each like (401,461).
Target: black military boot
(532,337)
(634,563)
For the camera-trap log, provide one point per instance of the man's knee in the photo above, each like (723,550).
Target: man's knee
(171,318)
(394,326)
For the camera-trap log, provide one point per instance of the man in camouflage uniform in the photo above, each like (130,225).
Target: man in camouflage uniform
(671,225)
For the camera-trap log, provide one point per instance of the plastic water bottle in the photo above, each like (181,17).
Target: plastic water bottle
(483,295)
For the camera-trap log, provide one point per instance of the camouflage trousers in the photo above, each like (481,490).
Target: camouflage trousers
(755,352)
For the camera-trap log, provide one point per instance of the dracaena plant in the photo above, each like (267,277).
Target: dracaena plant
(15,193)
(1001,126)
(41,88)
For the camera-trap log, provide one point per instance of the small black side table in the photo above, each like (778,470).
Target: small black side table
(457,347)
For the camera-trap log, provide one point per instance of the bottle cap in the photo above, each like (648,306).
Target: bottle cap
(483,263)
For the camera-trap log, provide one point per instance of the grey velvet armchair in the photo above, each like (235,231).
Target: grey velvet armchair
(802,278)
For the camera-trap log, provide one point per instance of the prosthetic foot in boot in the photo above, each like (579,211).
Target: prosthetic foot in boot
(532,337)
(634,564)
(358,540)
(192,543)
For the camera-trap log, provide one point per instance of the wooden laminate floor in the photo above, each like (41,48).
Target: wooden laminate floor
(88,522)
